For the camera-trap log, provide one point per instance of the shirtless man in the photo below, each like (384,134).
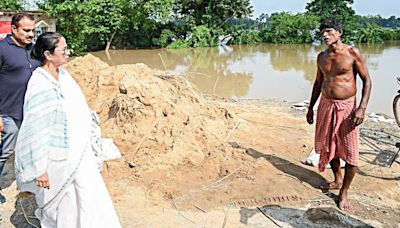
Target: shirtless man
(337,135)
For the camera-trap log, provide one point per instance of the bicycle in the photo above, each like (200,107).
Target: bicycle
(396,105)
(396,112)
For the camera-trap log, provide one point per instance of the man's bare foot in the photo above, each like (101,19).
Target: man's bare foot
(344,203)
(331,185)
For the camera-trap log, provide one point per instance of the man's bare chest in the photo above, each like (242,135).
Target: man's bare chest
(336,65)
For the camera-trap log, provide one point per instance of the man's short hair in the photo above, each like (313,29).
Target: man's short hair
(331,23)
(18,16)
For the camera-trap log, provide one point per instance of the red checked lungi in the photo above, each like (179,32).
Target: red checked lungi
(335,134)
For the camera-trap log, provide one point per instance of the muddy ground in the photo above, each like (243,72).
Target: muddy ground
(189,160)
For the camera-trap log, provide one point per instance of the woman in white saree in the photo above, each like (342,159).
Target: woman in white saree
(54,158)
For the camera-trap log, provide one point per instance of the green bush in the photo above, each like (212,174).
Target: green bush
(164,39)
(246,36)
(201,37)
(178,44)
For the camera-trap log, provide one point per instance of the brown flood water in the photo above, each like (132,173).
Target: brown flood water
(266,71)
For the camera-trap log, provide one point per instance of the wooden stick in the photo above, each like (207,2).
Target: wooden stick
(192,72)
(231,132)
(215,85)
(162,60)
(201,209)
(206,187)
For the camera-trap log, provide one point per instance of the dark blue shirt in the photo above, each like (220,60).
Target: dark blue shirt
(16,66)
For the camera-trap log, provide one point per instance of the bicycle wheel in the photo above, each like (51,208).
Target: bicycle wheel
(396,109)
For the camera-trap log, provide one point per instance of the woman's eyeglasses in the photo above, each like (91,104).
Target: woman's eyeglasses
(64,50)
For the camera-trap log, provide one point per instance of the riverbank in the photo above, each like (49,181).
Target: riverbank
(190,160)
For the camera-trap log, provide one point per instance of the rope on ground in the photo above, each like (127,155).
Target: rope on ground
(26,217)
(226,215)
(179,212)
(269,217)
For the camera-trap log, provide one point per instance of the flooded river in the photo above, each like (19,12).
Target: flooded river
(266,71)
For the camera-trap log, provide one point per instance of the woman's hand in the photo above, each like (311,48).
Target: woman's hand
(43,181)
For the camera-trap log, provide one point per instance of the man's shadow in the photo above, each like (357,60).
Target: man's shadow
(302,174)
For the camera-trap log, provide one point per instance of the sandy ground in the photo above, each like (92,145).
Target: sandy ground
(195,161)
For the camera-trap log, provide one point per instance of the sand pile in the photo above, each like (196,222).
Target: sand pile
(157,120)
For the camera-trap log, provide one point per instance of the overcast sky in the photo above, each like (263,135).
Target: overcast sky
(385,8)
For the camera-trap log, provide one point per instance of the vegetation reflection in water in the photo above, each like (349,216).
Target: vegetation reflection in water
(264,71)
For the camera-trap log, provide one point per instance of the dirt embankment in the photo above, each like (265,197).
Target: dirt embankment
(192,161)
(188,152)
(158,121)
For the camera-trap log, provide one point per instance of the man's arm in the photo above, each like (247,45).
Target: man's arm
(1,119)
(316,91)
(1,59)
(362,70)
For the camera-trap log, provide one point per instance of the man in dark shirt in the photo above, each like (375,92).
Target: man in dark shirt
(16,67)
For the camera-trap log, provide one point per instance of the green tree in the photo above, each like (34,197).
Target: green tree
(362,20)
(146,21)
(11,5)
(211,13)
(393,22)
(104,18)
(80,21)
(339,9)
(69,21)
(288,28)
(205,20)
(90,24)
